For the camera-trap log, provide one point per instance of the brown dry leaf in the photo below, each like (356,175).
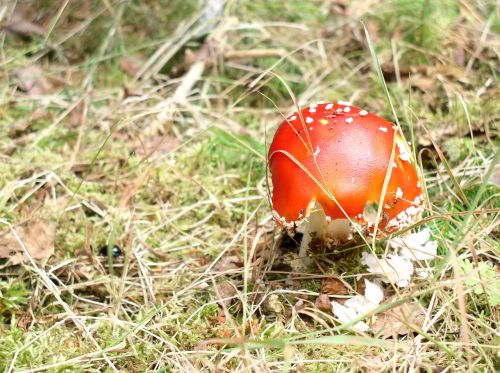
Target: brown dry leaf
(373,30)
(333,286)
(23,125)
(225,292)
(339,7)
(459,56)
(157,145)
(131,91)
(444,130)
(272,303)
(31,80)
(395,321)
(131,65)
(38,238)
(423,83)
(495,177)
(227,263)
(323,303)
(22,26)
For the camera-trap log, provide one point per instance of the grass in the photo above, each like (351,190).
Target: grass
(202,282)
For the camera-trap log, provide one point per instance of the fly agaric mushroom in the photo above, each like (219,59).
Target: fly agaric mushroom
(328,166)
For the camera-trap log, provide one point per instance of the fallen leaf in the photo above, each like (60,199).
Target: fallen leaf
(157,145)
(273,304)
(423,83)
(398,320)
(323,303)
(333,286)
(131,65)
(20,25)
(24,124)
(38,238)
(495,177)
(225,292)
(227,263)
(131,91)
(339,7)
(459,56)
(373,30)
(31,80)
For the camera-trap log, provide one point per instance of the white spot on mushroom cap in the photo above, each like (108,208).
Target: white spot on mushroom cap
(347,109)
(289,226)
(399,193)
(328,106)
(363,113)
(383,129)
(309,120)
(311,128)
(317,151)
(293,117)
(403,151)
(419,200)
(312,109)
(348,120)
(405,218)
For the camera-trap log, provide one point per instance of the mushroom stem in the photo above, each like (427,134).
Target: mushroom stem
(318,226)
(314,227)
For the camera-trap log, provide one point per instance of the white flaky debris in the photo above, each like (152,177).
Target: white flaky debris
(345,103)
(345,315)
(317,151)
(373,293)
(359,305)
(407,217)
(392,268)
(416,246)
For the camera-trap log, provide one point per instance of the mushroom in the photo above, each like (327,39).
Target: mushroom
(329,164)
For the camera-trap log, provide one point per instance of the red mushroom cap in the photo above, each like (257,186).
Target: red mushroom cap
(347,150)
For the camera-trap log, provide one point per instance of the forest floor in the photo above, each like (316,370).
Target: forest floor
(133,139)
